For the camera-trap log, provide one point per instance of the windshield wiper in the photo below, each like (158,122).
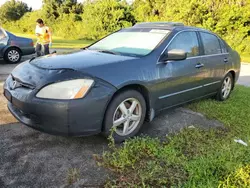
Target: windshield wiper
(108,52)
(84,48)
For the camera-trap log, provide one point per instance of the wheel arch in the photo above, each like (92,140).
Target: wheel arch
(234,75)
(12,47)
(142,90)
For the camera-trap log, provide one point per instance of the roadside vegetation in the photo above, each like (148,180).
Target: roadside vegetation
(191,158)
(59,42)
(94,19)
(245,58)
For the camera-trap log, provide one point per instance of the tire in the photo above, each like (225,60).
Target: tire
(132,120)
(225,88)
(12,55)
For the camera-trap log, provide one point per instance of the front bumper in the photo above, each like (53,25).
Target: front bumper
(60,117)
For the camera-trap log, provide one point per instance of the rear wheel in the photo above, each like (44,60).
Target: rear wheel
(226,88)
(12,55)
(126,114)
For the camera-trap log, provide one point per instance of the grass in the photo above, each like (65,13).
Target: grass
(5,117)
(191,158)
(61,43)
(73,175)
(245,58)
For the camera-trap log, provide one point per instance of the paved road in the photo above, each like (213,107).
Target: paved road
(5,68)
(245,74)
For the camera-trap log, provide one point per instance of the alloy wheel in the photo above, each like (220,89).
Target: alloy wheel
(226,87)
(13,55)
(127,116)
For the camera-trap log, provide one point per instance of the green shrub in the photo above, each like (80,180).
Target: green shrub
(229,19)
(240,178)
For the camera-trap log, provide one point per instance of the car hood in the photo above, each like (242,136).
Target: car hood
(78,60)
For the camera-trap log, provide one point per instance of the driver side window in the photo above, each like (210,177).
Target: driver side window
(186,41)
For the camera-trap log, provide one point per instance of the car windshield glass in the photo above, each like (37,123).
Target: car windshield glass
(131,42)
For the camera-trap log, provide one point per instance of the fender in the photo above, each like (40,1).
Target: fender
(7,47)
(150,100)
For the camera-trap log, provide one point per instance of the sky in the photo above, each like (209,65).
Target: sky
(35,4)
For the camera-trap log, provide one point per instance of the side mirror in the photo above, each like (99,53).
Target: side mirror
(174,55)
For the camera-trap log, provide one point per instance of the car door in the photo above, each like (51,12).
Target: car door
(214,59)
(182,80)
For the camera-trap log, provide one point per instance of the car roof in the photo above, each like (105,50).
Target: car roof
(177,26)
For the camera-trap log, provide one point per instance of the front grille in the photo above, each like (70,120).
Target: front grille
(17,83)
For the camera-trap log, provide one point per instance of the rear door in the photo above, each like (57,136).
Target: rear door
(215,58)
(183,79)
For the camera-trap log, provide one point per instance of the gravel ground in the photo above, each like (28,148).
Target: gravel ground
(30,158)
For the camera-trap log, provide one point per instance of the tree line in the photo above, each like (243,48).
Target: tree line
(94,19)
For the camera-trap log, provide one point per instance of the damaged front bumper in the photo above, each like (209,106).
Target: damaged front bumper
(60,117)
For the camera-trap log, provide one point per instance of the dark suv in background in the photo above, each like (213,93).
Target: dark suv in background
(122,80)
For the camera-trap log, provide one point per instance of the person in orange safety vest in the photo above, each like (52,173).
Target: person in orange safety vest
(44,38)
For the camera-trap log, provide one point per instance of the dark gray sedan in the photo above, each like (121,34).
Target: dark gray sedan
(122,80)
(12,48)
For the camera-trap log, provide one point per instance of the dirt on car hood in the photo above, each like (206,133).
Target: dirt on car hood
(77,60)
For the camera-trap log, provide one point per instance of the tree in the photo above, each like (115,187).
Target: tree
(148,10)
(93,19)
(13,10)
(104,16)
(67,6)
(51,8)
(55,8)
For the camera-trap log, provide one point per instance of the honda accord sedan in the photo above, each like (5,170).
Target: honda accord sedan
(12,47)
(122,80)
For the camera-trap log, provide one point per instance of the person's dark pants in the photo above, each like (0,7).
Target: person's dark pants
(42,49)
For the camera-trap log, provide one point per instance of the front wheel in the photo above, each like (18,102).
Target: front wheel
(12,55)
(226,88)
(125,114)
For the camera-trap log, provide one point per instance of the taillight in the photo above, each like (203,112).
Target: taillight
(32,44)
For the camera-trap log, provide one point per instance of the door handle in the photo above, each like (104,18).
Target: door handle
(199,65)
(225,60)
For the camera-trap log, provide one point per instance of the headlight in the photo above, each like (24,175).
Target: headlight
(72,89)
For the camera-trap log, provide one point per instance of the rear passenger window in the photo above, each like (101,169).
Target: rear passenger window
(186,41)
(223,47)
(211,44)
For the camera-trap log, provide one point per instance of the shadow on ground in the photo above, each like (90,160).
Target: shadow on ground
(30,158)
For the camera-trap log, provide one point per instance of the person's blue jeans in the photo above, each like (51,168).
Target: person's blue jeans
(42,49)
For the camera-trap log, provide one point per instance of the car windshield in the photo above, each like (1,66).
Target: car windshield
(137,42)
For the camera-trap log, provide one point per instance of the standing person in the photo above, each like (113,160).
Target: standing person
(44,38)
